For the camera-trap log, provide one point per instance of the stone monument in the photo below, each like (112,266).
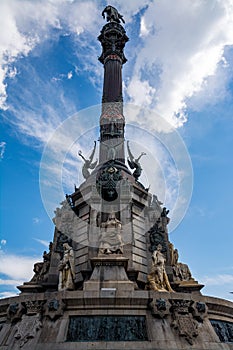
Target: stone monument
(111,278)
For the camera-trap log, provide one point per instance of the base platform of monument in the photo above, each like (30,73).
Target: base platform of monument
(116,319)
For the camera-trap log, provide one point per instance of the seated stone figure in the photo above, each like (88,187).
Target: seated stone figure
(110,241)
(181,271)
(157,278)
(41,268)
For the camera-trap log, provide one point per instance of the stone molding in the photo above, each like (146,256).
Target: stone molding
(187,314)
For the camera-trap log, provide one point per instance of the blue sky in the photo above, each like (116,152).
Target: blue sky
(179,66)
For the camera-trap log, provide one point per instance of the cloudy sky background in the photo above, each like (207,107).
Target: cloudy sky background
(180,66)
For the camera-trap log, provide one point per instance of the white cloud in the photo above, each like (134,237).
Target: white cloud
(17,267)
(140,92)
(41,241)
(36,220)
(63,76)
(7,282)
(40,114)
(215,87)
(218,280)
(27,24)
(69,75)
(130,8)
(7,294)
(12,72)
(181,46)
(2,149)
(3,242)
(144,31)
(220,285)
(12,43)
(182,49)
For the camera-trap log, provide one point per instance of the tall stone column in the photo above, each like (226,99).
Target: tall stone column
(112,121)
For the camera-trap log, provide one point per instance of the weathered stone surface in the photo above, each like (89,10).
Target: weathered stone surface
(109,272)
(108,306)
(159,307)
(52,333)
(54,308)
(224,330)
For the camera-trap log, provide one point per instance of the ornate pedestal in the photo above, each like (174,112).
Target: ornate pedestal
(109,273)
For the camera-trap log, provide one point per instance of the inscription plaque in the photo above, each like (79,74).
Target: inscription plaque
(107,328)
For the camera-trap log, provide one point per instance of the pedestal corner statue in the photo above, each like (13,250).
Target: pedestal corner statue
(112,278)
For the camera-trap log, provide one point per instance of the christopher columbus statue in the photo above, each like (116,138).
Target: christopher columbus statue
(112,14)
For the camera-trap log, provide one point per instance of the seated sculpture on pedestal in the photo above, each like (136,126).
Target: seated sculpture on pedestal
(181,271)
(110,241)
(41,268)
